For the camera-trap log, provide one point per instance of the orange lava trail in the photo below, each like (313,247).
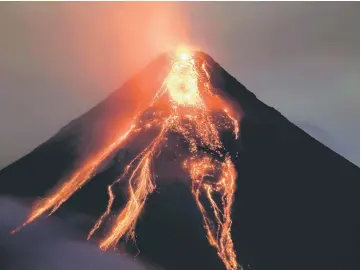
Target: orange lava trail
(140,186)
(61,194)
(189,101)
(219,234)
(105,214)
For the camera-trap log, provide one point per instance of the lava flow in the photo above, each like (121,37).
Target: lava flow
(183,105)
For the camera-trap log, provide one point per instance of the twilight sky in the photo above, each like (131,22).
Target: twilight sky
(57,60)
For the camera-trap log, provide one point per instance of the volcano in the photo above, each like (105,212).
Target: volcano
(296,203)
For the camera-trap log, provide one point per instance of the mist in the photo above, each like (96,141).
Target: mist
(52,243)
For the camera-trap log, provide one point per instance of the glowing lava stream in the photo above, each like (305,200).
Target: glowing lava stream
(188,97)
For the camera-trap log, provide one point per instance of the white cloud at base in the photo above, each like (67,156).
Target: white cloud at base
(51,244)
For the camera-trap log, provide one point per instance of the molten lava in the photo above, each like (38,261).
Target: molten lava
(189,102)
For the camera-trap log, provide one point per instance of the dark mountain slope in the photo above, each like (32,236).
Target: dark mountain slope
(296,204)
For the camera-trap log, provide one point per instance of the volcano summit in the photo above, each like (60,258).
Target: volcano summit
(265,195)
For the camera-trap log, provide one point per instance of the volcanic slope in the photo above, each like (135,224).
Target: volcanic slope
(296,203)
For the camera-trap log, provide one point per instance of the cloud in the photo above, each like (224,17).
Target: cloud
(51,244)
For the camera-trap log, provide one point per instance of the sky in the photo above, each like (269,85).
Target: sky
(60,59)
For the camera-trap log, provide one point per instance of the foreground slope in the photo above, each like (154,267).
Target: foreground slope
(296,204)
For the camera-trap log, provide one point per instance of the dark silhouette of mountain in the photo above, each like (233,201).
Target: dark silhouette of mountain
(296,204)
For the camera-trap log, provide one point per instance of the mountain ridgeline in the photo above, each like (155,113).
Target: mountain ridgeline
(296,204)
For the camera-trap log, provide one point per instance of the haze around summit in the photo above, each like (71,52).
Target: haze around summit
(61,59)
